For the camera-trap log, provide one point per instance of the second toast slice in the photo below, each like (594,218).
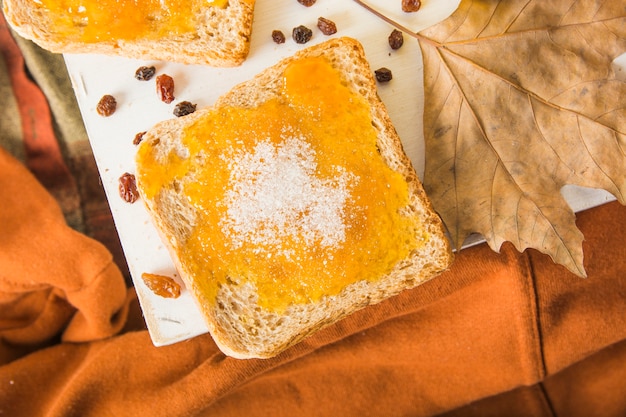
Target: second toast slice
(213,32)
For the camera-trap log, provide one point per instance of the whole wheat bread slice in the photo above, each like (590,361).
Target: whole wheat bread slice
(238,324)
(220,38)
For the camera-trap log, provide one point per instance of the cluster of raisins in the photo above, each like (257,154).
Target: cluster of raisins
(302,34)
(165,91)
(395,40)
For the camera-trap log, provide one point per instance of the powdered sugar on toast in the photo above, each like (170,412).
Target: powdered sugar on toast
(275,195)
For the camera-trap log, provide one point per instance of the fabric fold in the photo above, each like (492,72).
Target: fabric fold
(52,279)
(582,316)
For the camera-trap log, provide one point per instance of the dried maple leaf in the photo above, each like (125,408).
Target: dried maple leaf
(521,99)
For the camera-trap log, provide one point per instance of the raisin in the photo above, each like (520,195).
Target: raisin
(327,27)
(307,3)
(138,138)
(278,36)
(302,34)
(410,6)
(396,39)
(106,106)
(165,88)
(128,188)
(145,73)
(383,75)
(184,108)
(161,285)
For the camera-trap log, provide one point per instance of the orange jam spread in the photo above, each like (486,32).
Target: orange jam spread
(292,195)
(93,21)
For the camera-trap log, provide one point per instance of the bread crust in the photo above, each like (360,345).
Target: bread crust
(221,40)
(239,326)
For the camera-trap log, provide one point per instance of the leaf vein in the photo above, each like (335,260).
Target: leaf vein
(530,31)
(513,21)
(569,9)
(598,165)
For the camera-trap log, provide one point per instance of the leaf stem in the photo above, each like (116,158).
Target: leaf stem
(388,20)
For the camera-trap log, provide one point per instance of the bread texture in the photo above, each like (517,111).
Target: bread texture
(239,324)
(216,35)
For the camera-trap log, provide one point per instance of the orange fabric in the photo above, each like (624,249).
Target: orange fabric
(593,387)
(52,279)
(486,330)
